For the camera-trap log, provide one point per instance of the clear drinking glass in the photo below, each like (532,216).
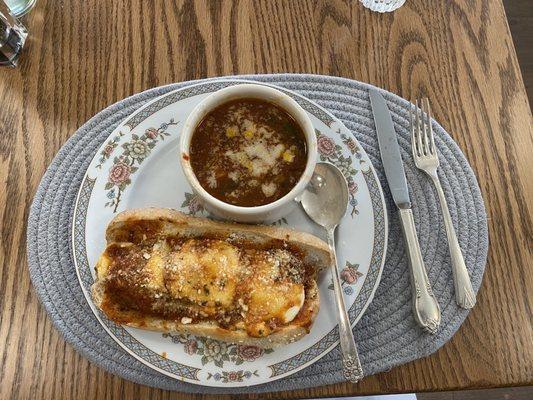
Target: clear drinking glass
(19,7)
(12,36)
(382,5)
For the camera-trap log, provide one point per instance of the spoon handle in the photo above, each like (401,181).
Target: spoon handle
(352,369)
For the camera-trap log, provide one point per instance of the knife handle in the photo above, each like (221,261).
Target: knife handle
(425,306)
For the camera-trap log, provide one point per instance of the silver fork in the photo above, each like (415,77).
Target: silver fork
(426,159)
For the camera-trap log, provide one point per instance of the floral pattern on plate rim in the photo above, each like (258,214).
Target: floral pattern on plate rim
(108,149)
(330,151)
(216,351)
(134,153)
(349,277)
(232,376)
(192,204)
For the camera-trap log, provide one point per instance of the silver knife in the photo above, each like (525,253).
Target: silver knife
(425,306)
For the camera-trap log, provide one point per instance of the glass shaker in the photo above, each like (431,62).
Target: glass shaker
(12,36)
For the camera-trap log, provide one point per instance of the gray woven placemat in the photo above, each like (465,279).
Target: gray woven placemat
(387,334)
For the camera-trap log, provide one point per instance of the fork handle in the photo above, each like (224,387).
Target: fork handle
(425,306)
(464,294)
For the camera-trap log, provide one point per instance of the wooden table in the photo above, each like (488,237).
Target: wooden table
(84,55)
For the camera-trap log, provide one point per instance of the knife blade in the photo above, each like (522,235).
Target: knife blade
(390,150)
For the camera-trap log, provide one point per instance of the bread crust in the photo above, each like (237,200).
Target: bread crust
(315,252)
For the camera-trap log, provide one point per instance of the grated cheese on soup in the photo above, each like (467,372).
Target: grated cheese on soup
(248,152)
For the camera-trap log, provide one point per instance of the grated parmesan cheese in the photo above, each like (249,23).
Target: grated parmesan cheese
(212,180)
(234,176)
(269,189)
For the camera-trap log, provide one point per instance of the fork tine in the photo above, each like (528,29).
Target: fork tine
(413,133)
(425,126)
(418,130)
(430,129)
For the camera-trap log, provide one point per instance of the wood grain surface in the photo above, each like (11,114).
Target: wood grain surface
(520,17)
(84,55)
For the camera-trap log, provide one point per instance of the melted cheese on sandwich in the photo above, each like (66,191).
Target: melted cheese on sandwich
(191,280)
(204,273)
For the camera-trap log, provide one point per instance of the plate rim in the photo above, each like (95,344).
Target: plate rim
(371,170)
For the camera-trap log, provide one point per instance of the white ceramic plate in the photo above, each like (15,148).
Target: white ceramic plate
(138,166)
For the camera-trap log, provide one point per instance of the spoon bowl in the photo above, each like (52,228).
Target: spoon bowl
(326,197)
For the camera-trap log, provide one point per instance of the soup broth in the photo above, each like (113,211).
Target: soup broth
(248,152)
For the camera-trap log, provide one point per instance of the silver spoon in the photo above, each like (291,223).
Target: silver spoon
(325,200)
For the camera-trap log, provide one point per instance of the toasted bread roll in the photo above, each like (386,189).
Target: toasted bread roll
(166,271)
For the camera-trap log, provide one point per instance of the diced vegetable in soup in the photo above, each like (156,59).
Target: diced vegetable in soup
(248,152)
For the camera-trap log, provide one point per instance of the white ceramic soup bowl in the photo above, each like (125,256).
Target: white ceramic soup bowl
(260,214)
